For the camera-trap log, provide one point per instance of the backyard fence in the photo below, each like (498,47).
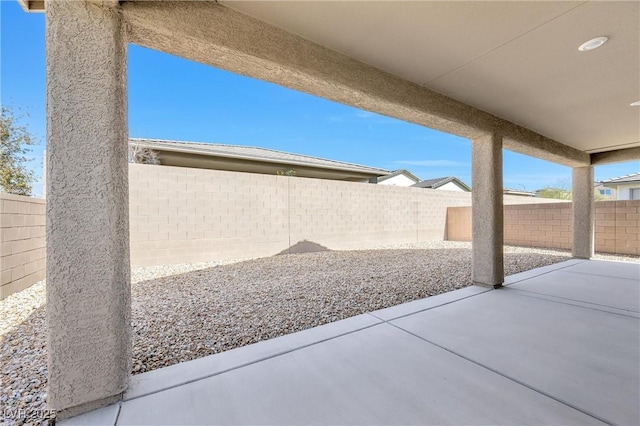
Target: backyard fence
(183,215)
(617,225)
(22,242)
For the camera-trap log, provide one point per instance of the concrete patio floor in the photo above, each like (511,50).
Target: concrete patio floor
(556,345)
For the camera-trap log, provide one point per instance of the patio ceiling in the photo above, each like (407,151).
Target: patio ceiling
(516,60)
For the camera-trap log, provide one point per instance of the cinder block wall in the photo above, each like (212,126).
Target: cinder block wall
(617,225)
(180,215)
(22,242)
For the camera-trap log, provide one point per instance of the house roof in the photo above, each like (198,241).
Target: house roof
(552,188)
(632,178)
(395,173)
(438,182)
(253,159)
(515,191)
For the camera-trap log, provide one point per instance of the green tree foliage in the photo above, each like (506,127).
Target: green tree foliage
(286,172)
(15,177)
(599,197)
(557,193)
(562,191)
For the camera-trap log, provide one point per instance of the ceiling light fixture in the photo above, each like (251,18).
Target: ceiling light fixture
(592,44)
(636,103)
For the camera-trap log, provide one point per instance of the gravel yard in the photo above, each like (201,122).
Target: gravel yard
(183,312)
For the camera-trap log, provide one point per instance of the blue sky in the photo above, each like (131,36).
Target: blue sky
(172,98)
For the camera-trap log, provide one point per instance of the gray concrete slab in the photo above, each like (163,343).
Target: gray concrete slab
(427,303)
(521,276)
(105,416)
(626,270)
(587,358)
(546,350)
(379,375)
(175,375)
(556,299)
(620,293)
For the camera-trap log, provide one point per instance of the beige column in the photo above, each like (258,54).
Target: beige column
(88,274)
(582,195)
(487,211)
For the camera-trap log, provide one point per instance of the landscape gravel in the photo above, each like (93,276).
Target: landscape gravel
(183,312)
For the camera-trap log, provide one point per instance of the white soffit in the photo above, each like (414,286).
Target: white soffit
(517,60)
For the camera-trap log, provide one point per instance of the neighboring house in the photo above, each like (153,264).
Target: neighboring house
(518,192)
(251,160)
(626,187)
(603,192)
(400,177)
(448,183)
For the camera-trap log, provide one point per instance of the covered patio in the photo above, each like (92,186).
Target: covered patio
(556,345)
(552,349)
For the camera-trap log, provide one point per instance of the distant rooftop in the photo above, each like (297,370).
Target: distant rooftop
(395,173)
(634,177)
(516,191)
(253,159)
(438,182)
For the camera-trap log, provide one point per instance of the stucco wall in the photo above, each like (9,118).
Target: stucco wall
(624,191)
(399,180)
(22,242)
(187,215)
(617,225)
(450,186)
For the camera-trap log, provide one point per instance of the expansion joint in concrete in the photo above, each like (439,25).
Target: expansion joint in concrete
(493,286)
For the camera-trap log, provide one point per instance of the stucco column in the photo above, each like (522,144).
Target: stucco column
(88,274)
(582,195)
(487,211)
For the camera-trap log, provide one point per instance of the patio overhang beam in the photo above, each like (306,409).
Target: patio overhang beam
(39,5)
(617,156)
(32,5)
(213,34)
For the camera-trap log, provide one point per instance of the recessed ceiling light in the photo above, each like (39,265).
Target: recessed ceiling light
(594,43)
(636,103)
